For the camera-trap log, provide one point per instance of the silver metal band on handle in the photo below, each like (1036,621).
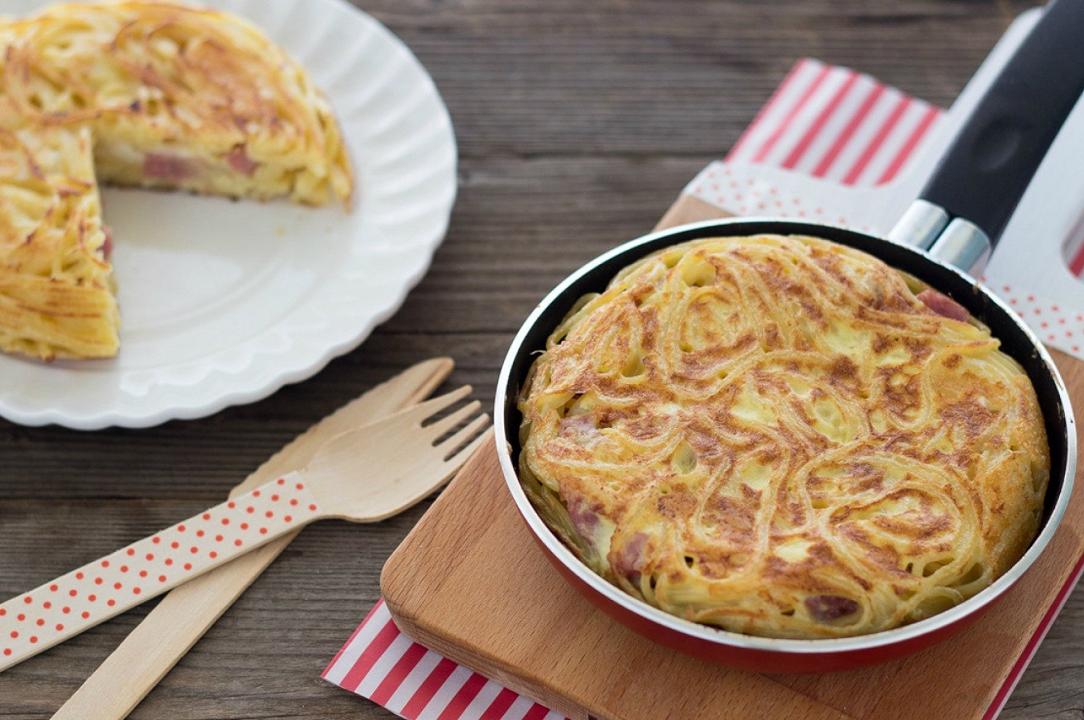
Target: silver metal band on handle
(919,225)
(964,245)
(959,242)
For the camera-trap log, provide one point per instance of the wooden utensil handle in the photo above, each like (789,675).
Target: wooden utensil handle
(72,603)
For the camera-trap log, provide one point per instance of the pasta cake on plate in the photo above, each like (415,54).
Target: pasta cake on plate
(137,93)
(783,436)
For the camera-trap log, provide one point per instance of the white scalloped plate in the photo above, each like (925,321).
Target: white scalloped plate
(224,302)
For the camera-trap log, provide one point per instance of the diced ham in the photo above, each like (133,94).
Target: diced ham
(943,305)
(583,518)
(580,429)
(162,166)
(630,558)
(107,245)
(826,608)
(241,162)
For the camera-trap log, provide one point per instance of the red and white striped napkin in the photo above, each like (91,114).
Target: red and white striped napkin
(832,122)
(382,664)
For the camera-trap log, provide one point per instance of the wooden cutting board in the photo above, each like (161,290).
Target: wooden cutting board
(470,582)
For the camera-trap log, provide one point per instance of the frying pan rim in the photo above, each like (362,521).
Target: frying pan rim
(742,641)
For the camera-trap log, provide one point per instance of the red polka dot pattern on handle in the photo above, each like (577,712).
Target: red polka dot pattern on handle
(205,540)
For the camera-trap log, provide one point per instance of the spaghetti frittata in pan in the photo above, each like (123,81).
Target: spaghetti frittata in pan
(783,436)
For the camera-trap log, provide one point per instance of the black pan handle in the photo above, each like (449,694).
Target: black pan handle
(989,164)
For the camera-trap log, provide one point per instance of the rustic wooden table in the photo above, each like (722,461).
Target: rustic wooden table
(577,123)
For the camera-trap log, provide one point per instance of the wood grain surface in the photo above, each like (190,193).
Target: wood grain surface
(577,122)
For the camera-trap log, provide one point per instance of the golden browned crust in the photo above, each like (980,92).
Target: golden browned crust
(56,296)
(177,97)
(774,435)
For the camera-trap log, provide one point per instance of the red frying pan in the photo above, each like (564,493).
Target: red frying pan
(946,234)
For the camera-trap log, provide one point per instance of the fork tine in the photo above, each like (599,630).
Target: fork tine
(456,461)
(463,435)
(429,408)
(450,421)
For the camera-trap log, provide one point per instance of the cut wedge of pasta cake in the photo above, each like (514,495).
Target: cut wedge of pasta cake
(56,296)
(137,93)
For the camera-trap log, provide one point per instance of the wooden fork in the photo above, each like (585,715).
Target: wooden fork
(363,475)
